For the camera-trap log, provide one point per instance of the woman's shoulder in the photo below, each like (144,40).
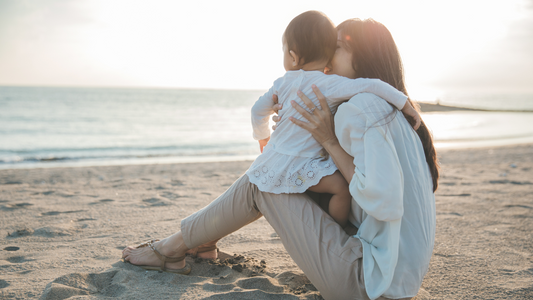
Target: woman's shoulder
(368,104)
(368,100)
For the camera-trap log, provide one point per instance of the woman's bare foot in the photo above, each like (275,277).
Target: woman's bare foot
(172,246)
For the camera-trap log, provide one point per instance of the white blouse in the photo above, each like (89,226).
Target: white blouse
(293,160)
(393,202)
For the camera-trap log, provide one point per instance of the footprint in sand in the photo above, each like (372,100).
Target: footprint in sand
(505,181)
(218,287)
(54,213)
(64,195)
(519,211)
(3,284)
(18,259)
(10,207)
(78,284)
(53,231)
(20,233)
(13,182)
(173,196)
(177,183)
(102,201)
(298,283)
(128,281)
(11,248)
(256,278)
(257,294)
(518,205)
(450,213)
(154,202)
(86,219)
(260,283)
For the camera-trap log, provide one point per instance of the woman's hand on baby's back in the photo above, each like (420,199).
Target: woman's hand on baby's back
(321,124)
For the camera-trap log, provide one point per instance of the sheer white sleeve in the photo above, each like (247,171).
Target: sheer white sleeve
(340,88)
(261,112)
(378,188)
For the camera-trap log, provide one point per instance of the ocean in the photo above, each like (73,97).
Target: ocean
(54,127)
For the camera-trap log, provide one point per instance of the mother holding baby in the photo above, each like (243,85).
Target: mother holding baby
(392,174)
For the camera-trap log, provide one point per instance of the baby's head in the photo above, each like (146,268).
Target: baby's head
(311,37)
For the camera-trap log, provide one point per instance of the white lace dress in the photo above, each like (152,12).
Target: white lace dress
(293,160)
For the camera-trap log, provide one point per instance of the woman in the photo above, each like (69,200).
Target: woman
(392,173)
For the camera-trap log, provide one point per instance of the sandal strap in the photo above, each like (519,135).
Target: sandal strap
(202,249)
(163,258)
(146,244)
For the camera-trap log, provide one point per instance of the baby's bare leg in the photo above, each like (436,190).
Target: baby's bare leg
(339,205)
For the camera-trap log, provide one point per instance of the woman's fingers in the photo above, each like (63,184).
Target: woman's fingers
(301,123)
(306,100)
(320,96)
(320,123)
(302,110)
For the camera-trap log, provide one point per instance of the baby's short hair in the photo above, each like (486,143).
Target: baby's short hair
(312,36)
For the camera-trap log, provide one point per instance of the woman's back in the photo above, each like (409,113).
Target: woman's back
(359,123)
(417,233)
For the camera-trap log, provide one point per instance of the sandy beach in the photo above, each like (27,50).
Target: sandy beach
(62,231)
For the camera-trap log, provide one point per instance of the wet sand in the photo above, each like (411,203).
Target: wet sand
(62,231)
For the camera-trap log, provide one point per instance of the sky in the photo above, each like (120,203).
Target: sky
(445,45)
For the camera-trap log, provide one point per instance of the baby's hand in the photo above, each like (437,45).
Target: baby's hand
(263,143)
(276,108)
(411,114)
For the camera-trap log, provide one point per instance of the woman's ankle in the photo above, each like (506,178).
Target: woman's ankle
(173,245)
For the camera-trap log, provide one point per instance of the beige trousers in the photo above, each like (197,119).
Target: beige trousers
(326,254)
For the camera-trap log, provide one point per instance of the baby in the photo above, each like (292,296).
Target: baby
(291,160)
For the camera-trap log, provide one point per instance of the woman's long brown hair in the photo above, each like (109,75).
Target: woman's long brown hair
(375,55)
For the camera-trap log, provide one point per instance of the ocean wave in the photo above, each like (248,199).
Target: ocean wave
(121,153)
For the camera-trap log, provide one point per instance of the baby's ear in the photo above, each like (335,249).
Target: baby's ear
(295,58)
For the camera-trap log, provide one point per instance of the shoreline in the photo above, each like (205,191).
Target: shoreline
(63,229)
(474,128)
(439,145)
(131,162)
(437,107)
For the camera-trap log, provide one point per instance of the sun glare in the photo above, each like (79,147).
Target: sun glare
(236,44)
(157,44)
(436,38)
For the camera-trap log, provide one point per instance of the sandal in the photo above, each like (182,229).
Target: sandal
(201,249)
(164,259)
